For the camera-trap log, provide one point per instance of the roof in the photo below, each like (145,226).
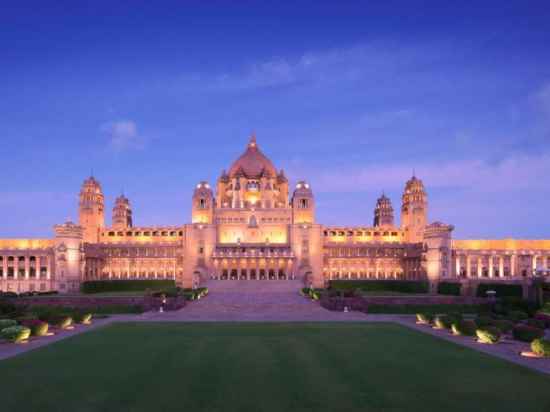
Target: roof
(252,163)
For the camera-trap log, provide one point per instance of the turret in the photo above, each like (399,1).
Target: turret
(383,213)
(414,210)
(303,205)
(91,210)
(203,204)
(122,213)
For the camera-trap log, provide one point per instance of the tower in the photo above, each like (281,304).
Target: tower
(91,214)
(303,205)
(383,212)
(203,204)
(122,213)
(69,256)
(438,253)
(414,210)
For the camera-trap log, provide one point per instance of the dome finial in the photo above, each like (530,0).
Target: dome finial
(252,142)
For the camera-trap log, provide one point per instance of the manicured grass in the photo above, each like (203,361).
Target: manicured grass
(265,367)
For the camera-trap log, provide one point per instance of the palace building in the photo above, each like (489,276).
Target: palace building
(249,226)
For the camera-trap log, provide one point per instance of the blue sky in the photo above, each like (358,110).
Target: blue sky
(351,96)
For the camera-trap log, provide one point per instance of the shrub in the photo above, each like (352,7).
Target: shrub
(16,334)
(403,286)
(504,325)
(62,322)
(488,334)
(82,317)
(37,327)
(526,333)
(449,288)
(517,315)
(98,286)
(425,318)
(7,323)
(541,347)
(500,289)
(6,308)
(536,323)
(443,322)
(464,328)
(483,321)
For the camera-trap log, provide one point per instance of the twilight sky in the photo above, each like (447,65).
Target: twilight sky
(351,96)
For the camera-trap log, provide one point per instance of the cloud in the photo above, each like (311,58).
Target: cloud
(520,172)
(123,135)
(335,66)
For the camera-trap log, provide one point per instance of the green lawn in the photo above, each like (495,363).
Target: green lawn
(265,367)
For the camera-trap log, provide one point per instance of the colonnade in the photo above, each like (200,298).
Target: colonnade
(469,264)
(28,266)
(253,269)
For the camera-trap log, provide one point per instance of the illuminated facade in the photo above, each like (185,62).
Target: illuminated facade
(250,227)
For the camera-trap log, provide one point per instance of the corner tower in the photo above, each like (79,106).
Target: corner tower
(122,213)
(91,208)
(383,212)
(203,204)
(414,210)
(303,205)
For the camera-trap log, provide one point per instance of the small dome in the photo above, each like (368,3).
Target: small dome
(91,185)
(252,163)
(414,185)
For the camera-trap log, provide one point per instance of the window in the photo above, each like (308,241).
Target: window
(303,204)
(202,203)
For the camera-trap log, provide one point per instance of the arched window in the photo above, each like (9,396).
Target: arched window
(304,204)
(202,203)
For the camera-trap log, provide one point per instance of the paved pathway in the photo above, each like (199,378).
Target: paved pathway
(277,301)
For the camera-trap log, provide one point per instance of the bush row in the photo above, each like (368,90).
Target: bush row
(449,288)
(403,286)
(500,289)
(27,294)
(99,286)
(487,329)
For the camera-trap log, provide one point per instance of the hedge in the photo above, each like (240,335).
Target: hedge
(464,328)
(403,286)
(99,286)
(500,289)
(526,333)
(432,309)
(449,288)
(504,325)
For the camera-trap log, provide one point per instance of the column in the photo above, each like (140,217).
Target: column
(534,264)
(5,267)
(457,265)
(500,266)
(513,265)
(48,269)
(479,273)
(468,267)
(27,267)
(491,269)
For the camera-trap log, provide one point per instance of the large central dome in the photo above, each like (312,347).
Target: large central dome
(252,163)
